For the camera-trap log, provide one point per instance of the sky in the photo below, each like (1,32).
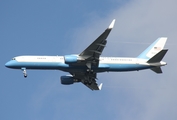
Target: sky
(62,27)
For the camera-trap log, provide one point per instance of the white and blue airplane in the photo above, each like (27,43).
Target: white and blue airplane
(84,67)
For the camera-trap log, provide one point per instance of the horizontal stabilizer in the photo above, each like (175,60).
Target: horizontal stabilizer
(158,57)
(157,69)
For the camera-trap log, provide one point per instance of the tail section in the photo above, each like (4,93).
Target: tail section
(154,48)
(154,54)
(156,61)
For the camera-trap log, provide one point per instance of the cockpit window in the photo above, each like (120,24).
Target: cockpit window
(13,58)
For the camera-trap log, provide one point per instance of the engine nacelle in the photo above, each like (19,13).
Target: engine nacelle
(70,59)
(67,80)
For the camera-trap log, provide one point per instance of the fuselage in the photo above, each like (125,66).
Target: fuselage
(58,63)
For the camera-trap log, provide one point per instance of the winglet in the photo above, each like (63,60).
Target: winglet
(100,86)
(112,24)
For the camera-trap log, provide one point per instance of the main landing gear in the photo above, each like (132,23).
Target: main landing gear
(24,72)
(89,77)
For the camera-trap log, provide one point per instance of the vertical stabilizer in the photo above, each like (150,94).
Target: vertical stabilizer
(154,48)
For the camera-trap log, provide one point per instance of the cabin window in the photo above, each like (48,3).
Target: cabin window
(13,58)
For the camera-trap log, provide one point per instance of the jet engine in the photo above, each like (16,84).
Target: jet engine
(67,80)
(70,59)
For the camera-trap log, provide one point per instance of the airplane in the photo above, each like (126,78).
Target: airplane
(84,67)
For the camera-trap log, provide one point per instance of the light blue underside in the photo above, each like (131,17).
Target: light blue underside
(71,68)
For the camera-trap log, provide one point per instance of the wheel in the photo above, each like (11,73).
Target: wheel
(25,76)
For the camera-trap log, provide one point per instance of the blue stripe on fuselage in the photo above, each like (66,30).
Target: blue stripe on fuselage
(127,67)
(35,65)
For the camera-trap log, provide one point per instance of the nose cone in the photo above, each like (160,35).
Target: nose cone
(9,64)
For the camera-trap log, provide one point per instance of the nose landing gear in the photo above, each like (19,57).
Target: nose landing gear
(24,72)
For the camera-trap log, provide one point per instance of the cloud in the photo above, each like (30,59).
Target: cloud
(140,95)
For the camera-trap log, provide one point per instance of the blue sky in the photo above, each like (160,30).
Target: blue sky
(64,27)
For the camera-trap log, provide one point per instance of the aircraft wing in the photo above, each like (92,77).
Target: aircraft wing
(93,52)
(91,58)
